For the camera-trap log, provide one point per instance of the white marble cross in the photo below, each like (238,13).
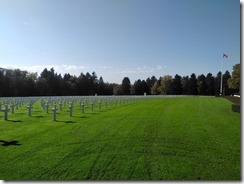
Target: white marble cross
(70,109)
(47,105)
(83,107)
(12,108)
(54,109)
(92,105)
(17,104)
(5,110)
(29,107)
(60,105)
(99,103)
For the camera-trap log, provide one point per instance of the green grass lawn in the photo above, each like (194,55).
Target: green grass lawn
(190,138)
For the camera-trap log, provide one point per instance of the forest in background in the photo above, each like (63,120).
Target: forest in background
(23,83)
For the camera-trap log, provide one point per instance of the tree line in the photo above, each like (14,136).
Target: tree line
(22,83)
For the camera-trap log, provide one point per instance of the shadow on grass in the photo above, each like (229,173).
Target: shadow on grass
(20,113)
(103,110)
(14,120)
(40,110)
(37,116)
(93,113)
(65,121)
(10,143)
(80,116)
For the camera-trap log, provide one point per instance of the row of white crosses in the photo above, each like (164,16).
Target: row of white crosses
(46,102)
(83,101)
(15,103)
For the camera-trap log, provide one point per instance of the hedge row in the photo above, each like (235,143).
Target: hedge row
(235,108)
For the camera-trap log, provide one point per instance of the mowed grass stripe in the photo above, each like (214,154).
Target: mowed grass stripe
(153,139)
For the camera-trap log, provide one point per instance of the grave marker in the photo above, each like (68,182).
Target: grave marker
(47,105)
(54,112)
(12,108)
(99,105)
(87,102)
(81,102)
(17,104)
(60,106)
(29,107)
(92,104)
(5,110)
(70,109)
(83,107)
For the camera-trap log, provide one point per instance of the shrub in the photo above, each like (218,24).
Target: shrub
(235,108)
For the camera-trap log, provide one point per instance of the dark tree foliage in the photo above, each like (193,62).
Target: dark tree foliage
(210,84)
(177,85)
(226,89)
(201,85)
(125,86)
(185,85)
(217,81)
(49,83)
(193,85)
(117,90)
(137,88)
(234,81)
(145,87)
(151,81)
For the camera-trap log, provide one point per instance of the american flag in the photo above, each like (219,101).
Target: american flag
(225,56)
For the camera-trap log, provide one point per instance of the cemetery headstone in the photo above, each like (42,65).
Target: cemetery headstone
(54,109)
(5,110)
(70,110)
(82,108)
(12,108)
(81,104)
(99,103)
(92,104)
(87,102)
(47,105)
(60,106)
(29,107)
(17,105)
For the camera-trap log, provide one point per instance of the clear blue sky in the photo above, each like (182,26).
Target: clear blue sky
(120,38)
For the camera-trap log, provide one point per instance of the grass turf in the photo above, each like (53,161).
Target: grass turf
(153,139)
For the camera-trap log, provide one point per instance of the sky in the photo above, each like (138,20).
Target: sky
(120,38)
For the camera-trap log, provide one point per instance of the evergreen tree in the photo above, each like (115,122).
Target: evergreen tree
(137,88)
(202,85)
(210,84)
(185,85)
(217,84)
(126,86)
(177,86)
(193,85)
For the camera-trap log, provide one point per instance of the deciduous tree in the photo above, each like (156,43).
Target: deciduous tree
(234,81)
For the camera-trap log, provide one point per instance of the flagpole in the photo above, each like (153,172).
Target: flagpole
(221,82)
